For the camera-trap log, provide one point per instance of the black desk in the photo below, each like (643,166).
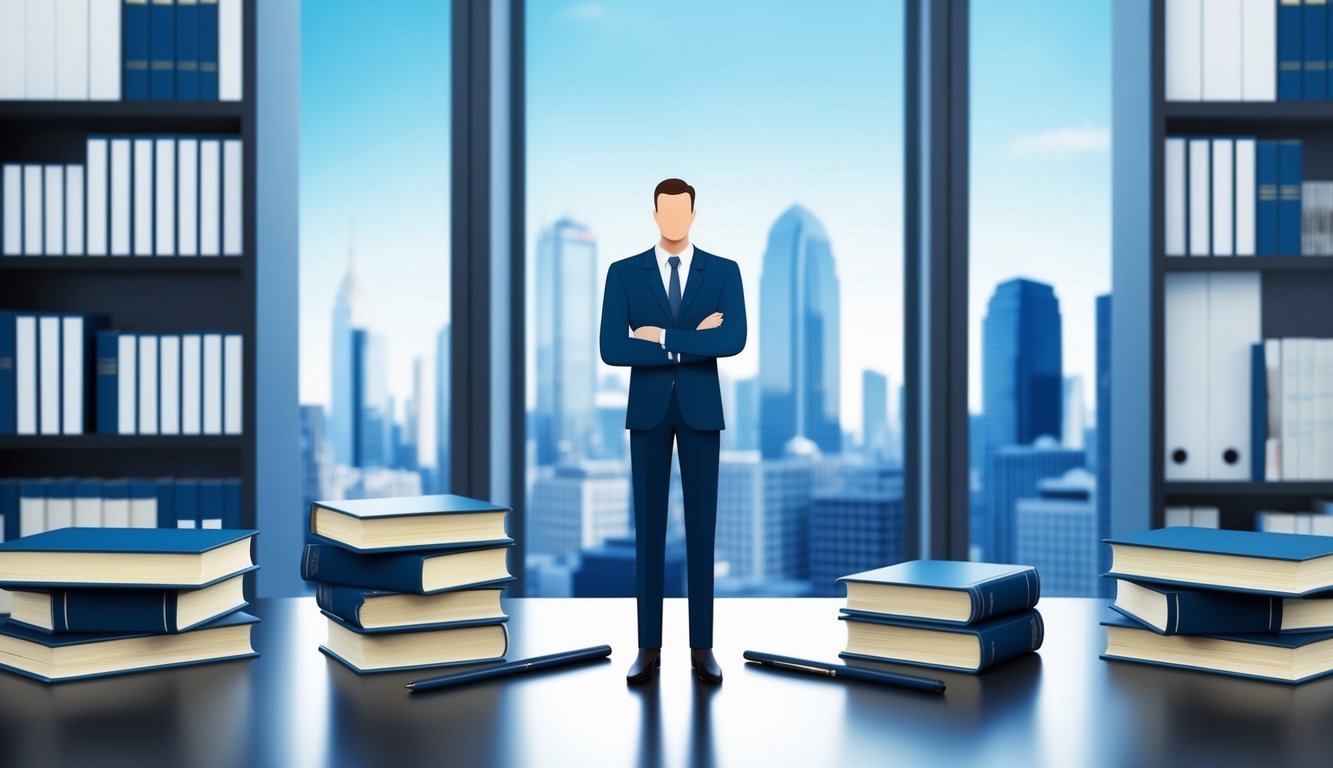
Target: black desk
(294,707)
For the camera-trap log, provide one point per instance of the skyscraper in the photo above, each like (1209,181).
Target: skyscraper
(875,415)
(1022,370)
(372,415)
(763,512)
(799,354)
(315,459)
(856,526)
(1103,494)
(1015,473)
(1074,424)
(578,507)
(442,410)
(566,342)
(607,570)
(744,421)
(349,313)
(1057,535)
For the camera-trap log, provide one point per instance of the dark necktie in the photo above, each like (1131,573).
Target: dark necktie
(673,293)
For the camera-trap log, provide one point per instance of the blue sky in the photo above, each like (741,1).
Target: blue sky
(759,104)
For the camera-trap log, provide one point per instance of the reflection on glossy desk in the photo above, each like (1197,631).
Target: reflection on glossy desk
(294,707)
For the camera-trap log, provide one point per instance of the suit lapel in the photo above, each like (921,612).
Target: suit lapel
(695,283)
(654,279)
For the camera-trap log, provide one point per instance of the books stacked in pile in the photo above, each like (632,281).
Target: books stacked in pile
(88,603)
(960,616)
(1241,603)
(410,582)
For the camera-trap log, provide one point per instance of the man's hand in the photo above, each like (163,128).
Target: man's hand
(648,333)
(712,321)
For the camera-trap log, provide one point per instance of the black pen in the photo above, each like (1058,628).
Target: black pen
(844,672)
(512,668)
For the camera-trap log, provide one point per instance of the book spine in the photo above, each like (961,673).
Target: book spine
(1214,613)
(334,565)
(1010,594)
(1289,198)
(80,610)
(134,31)
(1010,639)
(1313,28)
(108,382)
(187,50)
(1265,215)
(162,49)
(208,50)
(1258,410)
(341,602)
(1289,55)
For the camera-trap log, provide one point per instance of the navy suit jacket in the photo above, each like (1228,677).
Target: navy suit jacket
(634,298)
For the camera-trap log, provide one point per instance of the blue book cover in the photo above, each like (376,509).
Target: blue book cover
(440,640)
(1258,410)
(208,50)
(134,44)
(1182,652)
(156,554)
(231,506)
(1175,611)
(165,490)
(187,50)
(108,382)
(211,503)
(1284,564)
(1289,159)
(999,640)
(394,572)
(162,50)
(346,603)
(9,508)
(437,505)
(187,504)
(68,611)
(139,664)
(991,589)
(407,506)
(1265,216)
(8,375)
(1314,52)
(1290,57)
(93,326)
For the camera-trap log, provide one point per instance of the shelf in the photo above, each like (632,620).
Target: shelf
(118,442)
(1248,263)
(1221,488)
(121,110)
(1248,112)
(122,263)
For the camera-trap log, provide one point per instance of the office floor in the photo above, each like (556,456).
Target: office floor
(294,707)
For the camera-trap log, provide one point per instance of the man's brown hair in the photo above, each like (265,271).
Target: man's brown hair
(673,187)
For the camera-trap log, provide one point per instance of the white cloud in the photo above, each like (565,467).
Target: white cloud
(1063,142)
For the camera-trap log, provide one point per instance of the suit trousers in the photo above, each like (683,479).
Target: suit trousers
(650,463)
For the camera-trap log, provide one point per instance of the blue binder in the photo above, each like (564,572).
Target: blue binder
(208,50)
(8,376)
(134,46)
(162,50)
(108,382)
(1289,160)
(1314,28)
(1265,215)
(1290,70)
(187,50)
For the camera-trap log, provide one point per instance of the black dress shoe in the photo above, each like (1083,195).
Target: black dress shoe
(705,666)
(645,666)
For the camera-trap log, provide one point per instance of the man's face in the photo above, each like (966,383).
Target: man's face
(674,216)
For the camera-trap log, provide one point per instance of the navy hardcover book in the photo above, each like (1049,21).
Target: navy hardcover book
(443,505)
(81,557)
(118,610)
(998,640)
(1175,611)
(394,572)
(134,664)
(1211,558)
(991,589)
(1236,655)
(346,603)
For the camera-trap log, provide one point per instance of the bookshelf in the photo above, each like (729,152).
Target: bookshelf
(1295,291)
(147,294)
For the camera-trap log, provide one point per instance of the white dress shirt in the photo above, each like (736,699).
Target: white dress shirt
(685,256)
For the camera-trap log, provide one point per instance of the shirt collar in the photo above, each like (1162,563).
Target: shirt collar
(686,256)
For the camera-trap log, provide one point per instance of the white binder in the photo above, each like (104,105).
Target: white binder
(25,370)
(40,48)
(53,213)
(1258,50)
(1174,197)
(1184,50)
(72,49)
(187,198)
(1245,197)
(229,50)
(104,59)
(1233,327)
(1223,186)
(1186,376)
(148,403)
(210,197)
(74,210)
(232,382)
(12,192)
(164,165)
(143,197)
(191,378)
(119,194)
(48,377)
(212,384)
(72,374)
(13,51)
(169,390)
(231,197)
(127,372)
(1291,415)
(32,210)
(1200,197)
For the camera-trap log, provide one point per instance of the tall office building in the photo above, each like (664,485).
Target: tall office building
(1057,535)
(1021,368)
(743,421)
(315,454)
(443,392)
(607,570)
(1074,423)
(799,353)
(855,525)
(372,415)
(1103,465)
(763,509)
(875,415)
(577,507)
(611,439)
(1015,473)
(566,342)
(349,313)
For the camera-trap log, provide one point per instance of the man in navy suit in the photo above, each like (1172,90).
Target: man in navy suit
(669,313)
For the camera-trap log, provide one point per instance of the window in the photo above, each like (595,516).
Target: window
(787,119)
(375,120)
(1039,295)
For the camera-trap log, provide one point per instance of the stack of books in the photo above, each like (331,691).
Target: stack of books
(410,582)
(960,616)
(89,603)
(1242,603)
